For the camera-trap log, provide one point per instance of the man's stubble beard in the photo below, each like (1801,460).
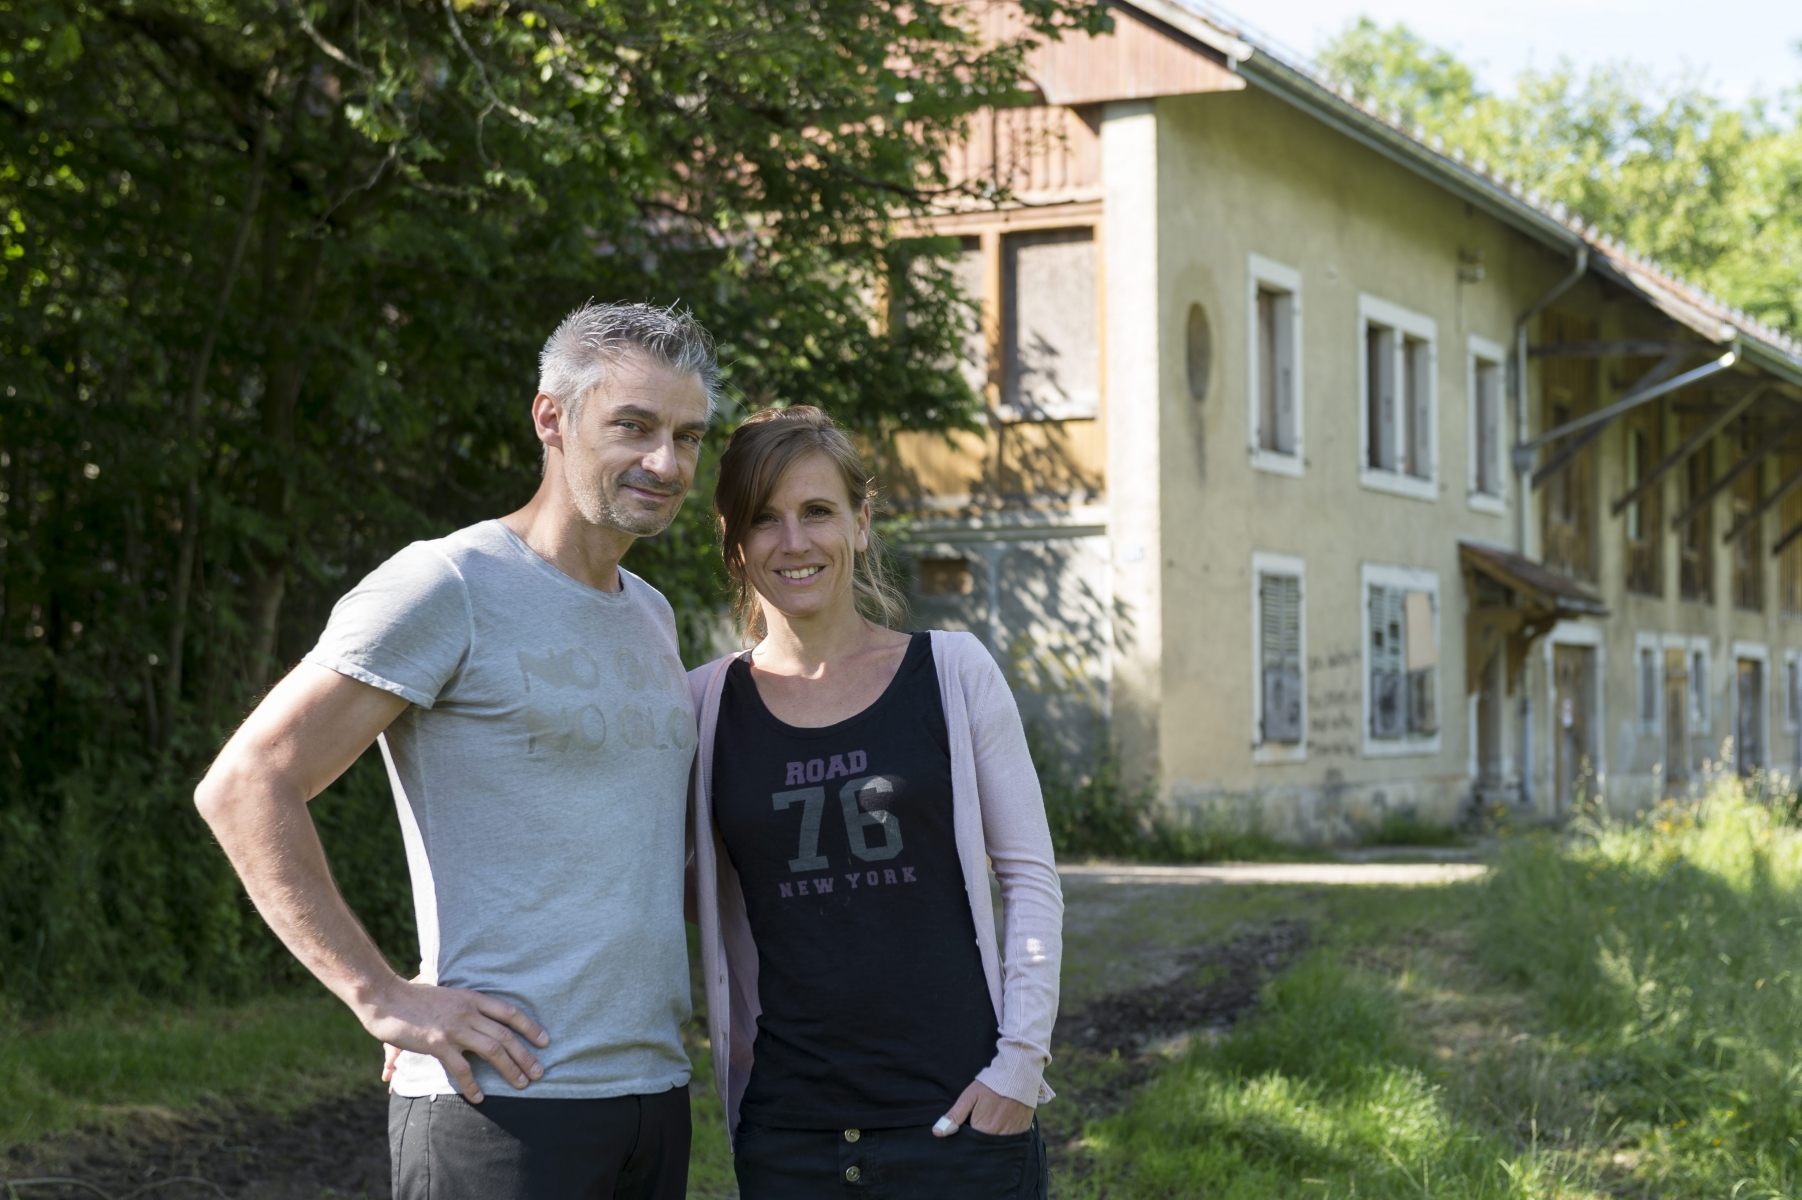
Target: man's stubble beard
(601,505)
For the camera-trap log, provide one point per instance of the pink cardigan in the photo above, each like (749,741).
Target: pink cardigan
(999,816)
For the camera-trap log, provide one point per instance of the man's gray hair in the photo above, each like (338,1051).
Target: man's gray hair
(591,339)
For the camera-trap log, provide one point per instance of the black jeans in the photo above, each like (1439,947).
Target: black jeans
(889,1164)
(514,1148)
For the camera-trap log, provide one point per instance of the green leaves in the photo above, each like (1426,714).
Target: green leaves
(1708,190)
(438,184)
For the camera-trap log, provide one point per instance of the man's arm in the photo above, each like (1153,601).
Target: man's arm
(305,734)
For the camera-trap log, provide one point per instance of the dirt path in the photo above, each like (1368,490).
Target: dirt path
(336,1148)
(1345,874)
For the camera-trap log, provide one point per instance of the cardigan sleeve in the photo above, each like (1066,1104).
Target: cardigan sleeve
(1018,841)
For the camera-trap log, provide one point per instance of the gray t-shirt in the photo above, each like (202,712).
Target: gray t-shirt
(541,776)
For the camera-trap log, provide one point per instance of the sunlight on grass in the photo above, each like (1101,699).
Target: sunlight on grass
(1319,1094)
(276,1054)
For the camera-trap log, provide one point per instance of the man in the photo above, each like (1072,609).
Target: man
(538,732)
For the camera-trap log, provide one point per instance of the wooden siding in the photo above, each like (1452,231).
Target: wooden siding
(1141,59)
(1033,152)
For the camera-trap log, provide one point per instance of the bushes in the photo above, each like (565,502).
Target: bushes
(117,888)
(1094,813)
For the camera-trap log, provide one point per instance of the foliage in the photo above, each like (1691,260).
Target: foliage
(1711,191)
(1406,829)
(1665,949)
(275,273)
(1095,813)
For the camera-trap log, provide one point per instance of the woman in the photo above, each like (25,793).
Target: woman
(850,782)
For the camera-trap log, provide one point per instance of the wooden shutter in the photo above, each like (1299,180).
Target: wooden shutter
(1285,374)
(1379,344)
(1279,652)
(1388,699)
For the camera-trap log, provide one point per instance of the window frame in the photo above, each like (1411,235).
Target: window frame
(1373,310)
(1701,715)
(1654,643)
(1792,712)
(1408,579)
(1480,349)
(1760,653)
(1279,277)
(1266,753)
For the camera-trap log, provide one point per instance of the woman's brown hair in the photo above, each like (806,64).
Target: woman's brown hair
(757,456)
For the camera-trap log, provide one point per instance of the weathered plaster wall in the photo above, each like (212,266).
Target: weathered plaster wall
(1243,174)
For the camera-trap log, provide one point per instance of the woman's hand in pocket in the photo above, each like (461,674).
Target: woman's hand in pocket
(987,1112)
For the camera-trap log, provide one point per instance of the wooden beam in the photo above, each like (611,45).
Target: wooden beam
(1682,453)
(1746,463)
(1587,429)
(1789,535)
(1746,522)
(1641,348)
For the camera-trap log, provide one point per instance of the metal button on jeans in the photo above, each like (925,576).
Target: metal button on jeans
(852,1174)
(851,1135)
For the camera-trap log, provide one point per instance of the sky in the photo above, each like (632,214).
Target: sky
(1740,47)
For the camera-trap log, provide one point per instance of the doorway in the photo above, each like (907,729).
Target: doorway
(1676,720)
(1573,709)
(1748,717)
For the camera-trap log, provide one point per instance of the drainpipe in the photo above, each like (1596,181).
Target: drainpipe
(1523,486)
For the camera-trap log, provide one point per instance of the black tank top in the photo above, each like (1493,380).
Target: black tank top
(875,1010)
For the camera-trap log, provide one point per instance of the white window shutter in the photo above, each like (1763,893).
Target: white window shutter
(1279,598)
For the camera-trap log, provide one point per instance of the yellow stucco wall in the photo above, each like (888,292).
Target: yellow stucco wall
(1245,174)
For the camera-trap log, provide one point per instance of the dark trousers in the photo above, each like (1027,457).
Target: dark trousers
(514,1148)
(889,1164)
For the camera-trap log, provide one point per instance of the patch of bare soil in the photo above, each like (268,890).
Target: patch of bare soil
(1214,984)
(335,1148)
(1108,1048)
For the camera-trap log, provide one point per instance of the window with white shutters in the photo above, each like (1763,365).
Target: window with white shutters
(1398,416)
(1279,655)
(1274,368)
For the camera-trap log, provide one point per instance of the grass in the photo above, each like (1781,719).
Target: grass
(120,1062)
(1615,1012)
(1405,829)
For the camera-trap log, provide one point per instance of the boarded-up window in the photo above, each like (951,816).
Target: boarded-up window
(1404,663)
(1695,541)
(971,270)
(1279,656)
(1487,414)
(1417,419)
(1698,693)
(1789,562)
(1748,547)
(1379,362)
(1569,507)
(1645,516)
(1051,336)
(1276,370)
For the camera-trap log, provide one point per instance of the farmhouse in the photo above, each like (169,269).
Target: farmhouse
(1330,477)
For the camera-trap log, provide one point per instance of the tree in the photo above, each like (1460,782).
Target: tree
(1712,192)
(277,272)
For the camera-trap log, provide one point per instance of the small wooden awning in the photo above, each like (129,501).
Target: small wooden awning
(1517,602)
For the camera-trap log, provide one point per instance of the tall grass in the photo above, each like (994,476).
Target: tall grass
(1319,1094)
(1667,951)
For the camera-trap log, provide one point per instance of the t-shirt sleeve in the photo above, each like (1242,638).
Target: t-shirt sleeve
(406,628)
